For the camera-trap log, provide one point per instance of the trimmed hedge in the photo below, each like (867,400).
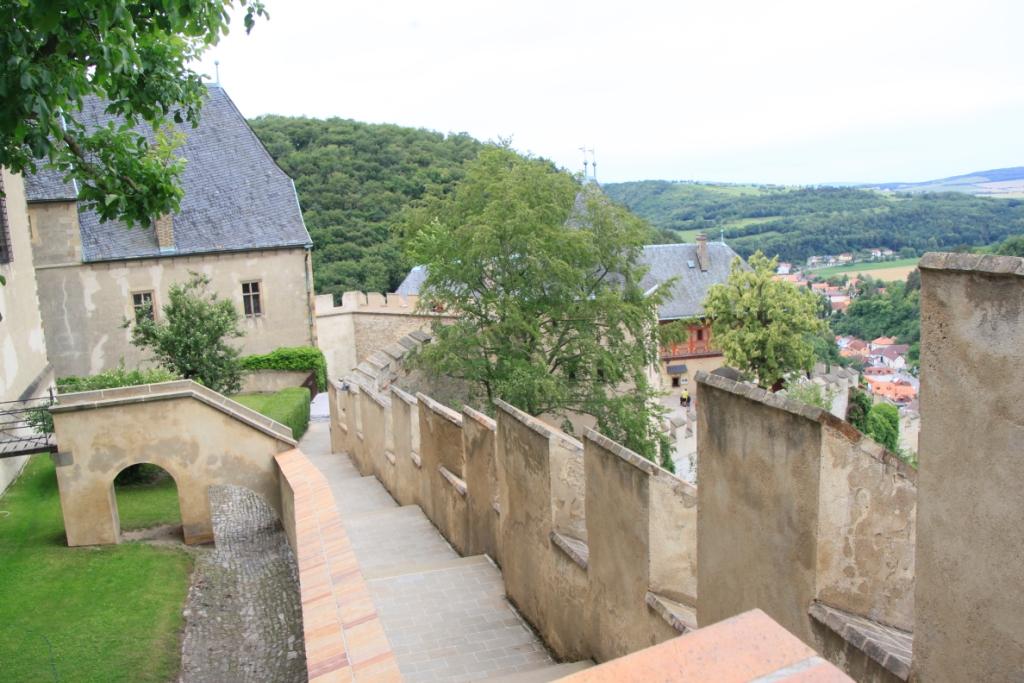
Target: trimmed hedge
(290,407)
(300,358)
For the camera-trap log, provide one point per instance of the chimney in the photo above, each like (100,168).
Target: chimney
(165,234)
(702,250)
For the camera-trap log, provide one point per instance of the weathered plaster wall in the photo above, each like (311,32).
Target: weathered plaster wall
(410,484)
(481,482)
(443,463)
(545,584)
(272,381)
(968,599)
(84,305)
(199,437)
(363,324)
(758,509)
(796,506)
(867,519)
(24,372)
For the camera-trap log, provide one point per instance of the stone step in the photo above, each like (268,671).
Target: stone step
(545,675)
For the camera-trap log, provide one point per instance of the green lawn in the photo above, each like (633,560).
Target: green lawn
(254,401)
(854,268)
(106,613)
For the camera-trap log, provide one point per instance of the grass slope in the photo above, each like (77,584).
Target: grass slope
(906,264)
(110,613)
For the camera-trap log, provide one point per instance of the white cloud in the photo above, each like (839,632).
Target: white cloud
(742,89)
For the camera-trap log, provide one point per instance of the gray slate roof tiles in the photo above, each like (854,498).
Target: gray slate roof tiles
(236,197)
(664,261)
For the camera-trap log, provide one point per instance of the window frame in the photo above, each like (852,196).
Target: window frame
(137,307)
(6,255)
(257,296)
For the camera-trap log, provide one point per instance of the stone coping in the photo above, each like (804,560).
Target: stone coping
(379,399)
(457,482)
(989,264)
(577,550)
(165,391)
(682,618)
(402,396)
(442,410)
(813,413)
(390,456)
(641,463)
(345,640)
(743,649)
(415,457)
(890,647)
(484,420)
(539,426)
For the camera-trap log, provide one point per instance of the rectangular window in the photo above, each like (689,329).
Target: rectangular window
(251,301)
(700,335)
(5,233)
(142,302)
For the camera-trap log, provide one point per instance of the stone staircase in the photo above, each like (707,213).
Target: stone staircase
(445,616)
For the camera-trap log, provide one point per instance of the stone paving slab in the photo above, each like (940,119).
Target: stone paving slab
(445,617)
(392,540)
(455,625)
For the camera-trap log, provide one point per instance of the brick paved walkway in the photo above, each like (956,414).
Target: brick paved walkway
(445,616)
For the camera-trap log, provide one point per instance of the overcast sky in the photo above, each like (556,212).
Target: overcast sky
(768,91)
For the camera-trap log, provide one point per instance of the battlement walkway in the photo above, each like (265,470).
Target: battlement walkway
(445,616)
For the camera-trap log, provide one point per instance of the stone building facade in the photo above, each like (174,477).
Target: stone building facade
(24,370)
(239,223)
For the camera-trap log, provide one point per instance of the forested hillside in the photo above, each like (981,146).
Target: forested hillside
(797,223)
(351,179)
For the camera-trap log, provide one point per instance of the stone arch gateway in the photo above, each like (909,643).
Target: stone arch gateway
(201,438)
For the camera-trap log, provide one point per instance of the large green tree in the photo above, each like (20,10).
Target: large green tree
(542,276)
(191,337)
(137,55)
(764,327)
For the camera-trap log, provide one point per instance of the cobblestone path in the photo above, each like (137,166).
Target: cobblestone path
(243,612)
(445,616)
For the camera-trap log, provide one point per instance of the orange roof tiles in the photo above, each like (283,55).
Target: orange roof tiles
(737,650)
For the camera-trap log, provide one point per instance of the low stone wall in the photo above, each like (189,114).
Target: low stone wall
(798,510)
(273,381)
(345,640)
(537,501)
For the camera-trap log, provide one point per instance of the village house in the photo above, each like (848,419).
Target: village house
(784,269)
(881,342)
(845,258)
(239,223)
(901,392)
(854,348)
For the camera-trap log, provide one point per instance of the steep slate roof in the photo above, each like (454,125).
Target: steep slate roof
(48,186)
(664,261)
(236,197)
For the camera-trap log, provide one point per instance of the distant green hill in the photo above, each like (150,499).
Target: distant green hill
(351,178)
(994,182)
(799,222)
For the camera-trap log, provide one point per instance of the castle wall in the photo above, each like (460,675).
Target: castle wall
(84,305)
(24,370)
(969,605)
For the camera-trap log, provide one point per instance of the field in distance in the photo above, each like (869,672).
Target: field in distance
(883,270)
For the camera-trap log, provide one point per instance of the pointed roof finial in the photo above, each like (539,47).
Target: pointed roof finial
(216,66)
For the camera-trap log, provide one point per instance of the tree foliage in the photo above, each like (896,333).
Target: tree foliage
(135,54)
(802,222)
(763,326)
(190,338)
(1012,246)
(857,409)
(542,278)
(883,425)
(352,179)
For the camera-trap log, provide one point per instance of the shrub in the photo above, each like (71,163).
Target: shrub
(301,358)
(118,377)
(290,407)
(811,394)
(41,421)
